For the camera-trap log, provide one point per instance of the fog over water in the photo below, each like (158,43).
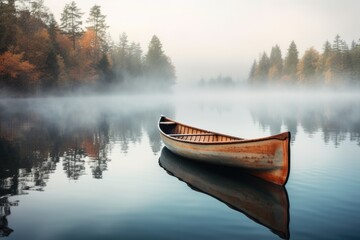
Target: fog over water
(272,111)
(97,157)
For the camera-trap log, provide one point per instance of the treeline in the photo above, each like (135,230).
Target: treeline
(219,81)
(337,65)
(38,54)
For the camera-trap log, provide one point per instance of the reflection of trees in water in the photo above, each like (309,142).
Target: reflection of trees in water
(74,163)
(274,117)
(99,149)
(130,128)
(37,141)
(336,120)
(127,129)
(150,126)
(34,139)
(5,211)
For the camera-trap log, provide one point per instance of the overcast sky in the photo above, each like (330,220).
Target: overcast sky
(205,38)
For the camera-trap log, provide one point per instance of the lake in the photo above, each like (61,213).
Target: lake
(95,168)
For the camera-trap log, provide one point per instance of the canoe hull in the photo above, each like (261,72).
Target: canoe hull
(267,158)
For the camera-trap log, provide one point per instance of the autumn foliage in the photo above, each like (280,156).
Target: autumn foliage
(337,65)
(39,55)
(12,65)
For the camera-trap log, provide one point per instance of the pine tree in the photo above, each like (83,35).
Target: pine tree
(71,22)
(334,65)
(337,45)
(263,68)
(97,24)
(346,63)
(291,61)
(324,58)
(158,66)
(53,30)
(355,59)
(52,71)
(7,24)
(52,68)
(307,67)
(276,63)
(120,57)
(135,60)
(123,51)
(39,10)
(106,72)
(252,74)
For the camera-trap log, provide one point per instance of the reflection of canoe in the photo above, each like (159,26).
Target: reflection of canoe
(267,158)
(264,202)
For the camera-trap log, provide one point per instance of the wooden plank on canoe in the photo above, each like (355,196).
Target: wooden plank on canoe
(189,135)
(167,123)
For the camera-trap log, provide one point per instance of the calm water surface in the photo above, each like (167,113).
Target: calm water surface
(95,168)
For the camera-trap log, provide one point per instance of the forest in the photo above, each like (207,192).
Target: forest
(336,66)
(38,55)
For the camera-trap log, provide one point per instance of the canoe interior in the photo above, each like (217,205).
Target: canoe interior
(191,134)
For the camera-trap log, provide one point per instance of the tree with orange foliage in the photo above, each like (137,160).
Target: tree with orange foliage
(85,70)
(15,72)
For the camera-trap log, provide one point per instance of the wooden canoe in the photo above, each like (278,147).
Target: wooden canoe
(267,158)
(264,202)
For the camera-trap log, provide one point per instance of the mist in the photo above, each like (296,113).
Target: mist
(205,39)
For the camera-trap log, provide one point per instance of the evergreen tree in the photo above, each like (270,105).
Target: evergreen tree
(334,64)
(276,63)
(96,23)
(39,10)
(355,59)
(7,24)
(71,22)
(263,68)
(135,60)
(158,66)
(337,45)
(346,63)
(307,67)
(324,58)
(120,57)
(291,61)
(53,30)
(252,74)
(106,72)
(52,71)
